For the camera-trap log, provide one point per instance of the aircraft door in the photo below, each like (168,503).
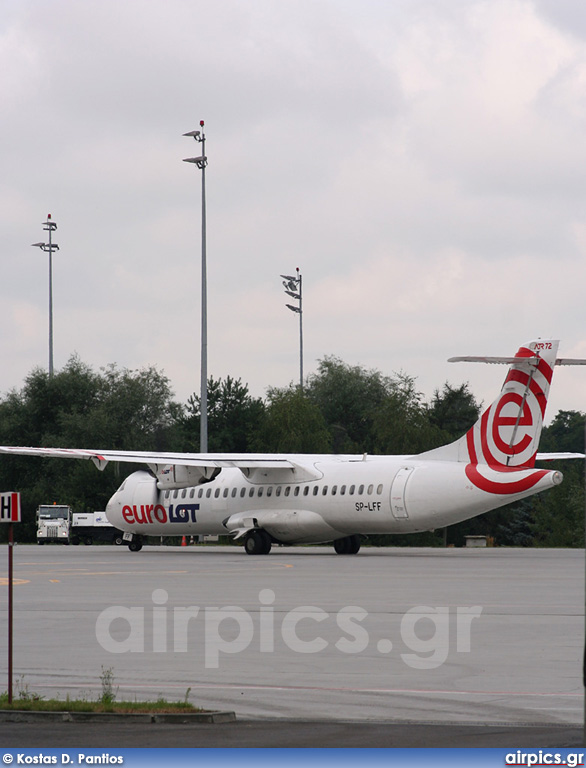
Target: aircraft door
(397,497)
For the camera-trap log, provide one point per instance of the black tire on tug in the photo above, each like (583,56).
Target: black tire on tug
(257,543)
(349,545)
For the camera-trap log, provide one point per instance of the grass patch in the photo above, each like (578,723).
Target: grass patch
(27,701)
(38,704)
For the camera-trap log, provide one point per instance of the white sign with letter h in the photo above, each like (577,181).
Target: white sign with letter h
(9,507)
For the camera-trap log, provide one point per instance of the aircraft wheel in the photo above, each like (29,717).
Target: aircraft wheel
(257,543)
(349,545)
(135,546)
(118,541)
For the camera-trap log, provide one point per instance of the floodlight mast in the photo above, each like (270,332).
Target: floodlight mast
(201,163)
(293,285)
(49,226)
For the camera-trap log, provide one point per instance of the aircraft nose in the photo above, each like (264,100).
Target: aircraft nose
(113,509)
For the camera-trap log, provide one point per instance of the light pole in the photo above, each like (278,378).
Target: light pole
(201,163)
(49,226)
(294,287)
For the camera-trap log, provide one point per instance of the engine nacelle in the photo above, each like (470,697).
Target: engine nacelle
(173,476)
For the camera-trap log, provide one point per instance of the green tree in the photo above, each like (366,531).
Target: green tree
(401,424)
(234,416)
(77,408)
(348,397)
(366,411)
(558,515)
(565,433)
(516,528)
(292,424)
(453,410)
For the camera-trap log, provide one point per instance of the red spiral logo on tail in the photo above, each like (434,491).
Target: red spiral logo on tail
(505,438)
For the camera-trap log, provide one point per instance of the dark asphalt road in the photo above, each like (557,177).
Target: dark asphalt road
(284,733)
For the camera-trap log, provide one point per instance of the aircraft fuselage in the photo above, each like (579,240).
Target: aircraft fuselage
(374,495)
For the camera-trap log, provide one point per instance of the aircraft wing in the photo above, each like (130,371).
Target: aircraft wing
(273,467)
(102,458)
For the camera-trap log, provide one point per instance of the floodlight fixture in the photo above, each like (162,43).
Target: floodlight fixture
(293,286)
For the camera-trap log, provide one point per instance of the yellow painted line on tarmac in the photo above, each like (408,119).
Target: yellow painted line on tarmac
(55,581)
(79,572)
(131,573)
(4,581)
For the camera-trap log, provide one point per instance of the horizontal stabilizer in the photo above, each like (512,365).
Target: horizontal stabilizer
(560,455)
(491,360)
(513,360)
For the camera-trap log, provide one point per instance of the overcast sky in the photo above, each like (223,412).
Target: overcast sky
(423,162)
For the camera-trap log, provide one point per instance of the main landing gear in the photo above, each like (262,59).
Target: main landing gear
(349,545)
(136,544)
(257,543)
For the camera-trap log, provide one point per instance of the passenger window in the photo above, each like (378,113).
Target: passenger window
(379,489)
(200,493)
(192,493)
(360,490)
(351,491)
(167,494)
(184,493)
(334,490)
(270,490)
(175,494)
(278,490)
(287,490)
(208,493)
(234,492)
(251,492)
(225,493)
(315,490)
(305,491)
(242,493)
(342,490)
(370,490)
(297,489)
(217,493)
(325,490)
(259,492)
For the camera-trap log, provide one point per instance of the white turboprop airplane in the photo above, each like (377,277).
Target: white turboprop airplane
(297,499)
